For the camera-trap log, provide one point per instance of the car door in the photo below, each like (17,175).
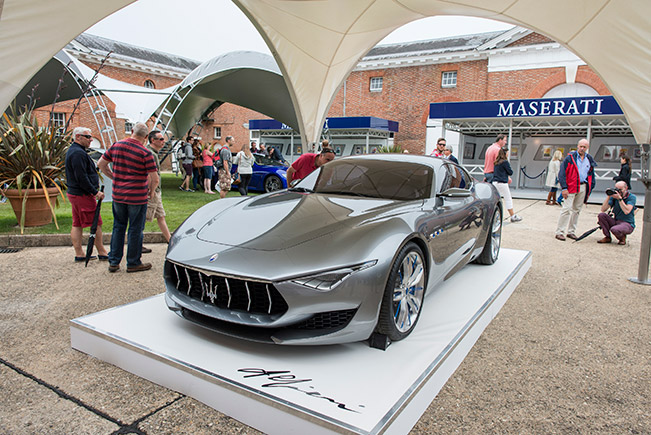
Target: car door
(462,213)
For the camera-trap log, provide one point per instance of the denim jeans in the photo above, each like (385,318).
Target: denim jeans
(134,217)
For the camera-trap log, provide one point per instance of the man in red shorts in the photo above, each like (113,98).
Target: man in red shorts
(83,192)
(307,163)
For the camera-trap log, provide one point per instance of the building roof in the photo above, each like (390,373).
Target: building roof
(432,46)
(101,46)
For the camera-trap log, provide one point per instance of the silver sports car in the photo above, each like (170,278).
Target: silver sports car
(346,255)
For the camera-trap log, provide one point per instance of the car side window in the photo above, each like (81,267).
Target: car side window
(453,176)
(466,179)
(443,178)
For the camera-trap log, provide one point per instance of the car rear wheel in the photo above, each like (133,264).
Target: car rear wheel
(493,240)
(403,294)
(272,183)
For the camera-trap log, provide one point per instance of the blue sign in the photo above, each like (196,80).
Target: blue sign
(577,106)
(366,122)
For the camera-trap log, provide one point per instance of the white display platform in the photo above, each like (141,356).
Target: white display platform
(348,388)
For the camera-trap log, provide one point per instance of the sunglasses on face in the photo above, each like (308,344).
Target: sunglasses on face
(87,136)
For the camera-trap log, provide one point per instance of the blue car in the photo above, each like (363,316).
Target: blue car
(268,175)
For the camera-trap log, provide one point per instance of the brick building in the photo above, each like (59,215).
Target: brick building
(394,81)
(138,66)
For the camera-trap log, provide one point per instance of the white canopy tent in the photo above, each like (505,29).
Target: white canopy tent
(245,78)
(317,42)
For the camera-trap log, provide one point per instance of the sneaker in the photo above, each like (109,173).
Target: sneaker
(190,190)
(515,218)
(139,268)
(181,189)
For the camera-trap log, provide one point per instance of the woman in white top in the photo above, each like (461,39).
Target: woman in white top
(244,161)
(552,177)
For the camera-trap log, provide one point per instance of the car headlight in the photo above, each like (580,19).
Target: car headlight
(329,280)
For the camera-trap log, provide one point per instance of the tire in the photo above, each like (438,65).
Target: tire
(403,295)
(272,183)
(493,240)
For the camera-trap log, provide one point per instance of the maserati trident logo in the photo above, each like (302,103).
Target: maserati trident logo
(213,258)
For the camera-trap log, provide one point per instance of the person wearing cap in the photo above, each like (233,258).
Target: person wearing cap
(155,208)
(83,193)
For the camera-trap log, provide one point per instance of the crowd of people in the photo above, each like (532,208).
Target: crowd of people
(133,164)
(573,175)
(206,166)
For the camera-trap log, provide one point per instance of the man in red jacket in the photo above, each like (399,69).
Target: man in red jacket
(577,180)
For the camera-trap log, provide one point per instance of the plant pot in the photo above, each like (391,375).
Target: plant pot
(37,210)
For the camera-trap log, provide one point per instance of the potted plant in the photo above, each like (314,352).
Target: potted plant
(32,166)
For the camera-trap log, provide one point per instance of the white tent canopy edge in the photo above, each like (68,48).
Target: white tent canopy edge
(317,43)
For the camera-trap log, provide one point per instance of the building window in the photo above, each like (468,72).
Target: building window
(375,84)
(149,84)
(217,132)
(449,79)
(58,119)
(128,127)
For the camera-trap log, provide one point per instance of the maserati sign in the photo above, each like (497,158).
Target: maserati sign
(578,106)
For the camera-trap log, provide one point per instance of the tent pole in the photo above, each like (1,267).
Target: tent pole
(645,248)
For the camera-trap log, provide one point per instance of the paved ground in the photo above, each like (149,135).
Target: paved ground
(568,353)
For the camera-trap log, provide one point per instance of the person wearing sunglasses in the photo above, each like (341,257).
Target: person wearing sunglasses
(83,193)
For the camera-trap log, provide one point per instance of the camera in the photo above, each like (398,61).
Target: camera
(611,192)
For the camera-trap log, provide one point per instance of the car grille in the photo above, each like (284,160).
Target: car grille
(329,320)
(228,293)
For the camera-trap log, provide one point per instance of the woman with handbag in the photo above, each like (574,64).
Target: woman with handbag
(501,179)
(244,161)
(552,177)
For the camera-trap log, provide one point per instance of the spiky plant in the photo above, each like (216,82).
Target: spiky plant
(390,149)
(31,156)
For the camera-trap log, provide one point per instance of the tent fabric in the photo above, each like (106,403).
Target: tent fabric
(318,42)
(245,78)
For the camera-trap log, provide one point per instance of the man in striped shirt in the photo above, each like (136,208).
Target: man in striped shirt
(135,180)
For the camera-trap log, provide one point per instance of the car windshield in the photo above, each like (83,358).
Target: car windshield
(266,161)
(372,178)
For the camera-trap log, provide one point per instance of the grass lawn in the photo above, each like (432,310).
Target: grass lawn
(178,206)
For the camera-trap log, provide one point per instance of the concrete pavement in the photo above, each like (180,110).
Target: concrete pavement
(567,353)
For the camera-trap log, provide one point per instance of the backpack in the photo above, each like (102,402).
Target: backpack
(180,152)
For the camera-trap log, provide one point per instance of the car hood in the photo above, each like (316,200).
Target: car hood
(285,219)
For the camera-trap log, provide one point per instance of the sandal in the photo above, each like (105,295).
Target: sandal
(82,259)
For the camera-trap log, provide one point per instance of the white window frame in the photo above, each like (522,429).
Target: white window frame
(375,84)
(58,119)
(128,127)
(149,84)
(449,79)
(216,132)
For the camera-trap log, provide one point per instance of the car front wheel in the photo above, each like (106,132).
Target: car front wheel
(403,294)
(272,183)
(493,240)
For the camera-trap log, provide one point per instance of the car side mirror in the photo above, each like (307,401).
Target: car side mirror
(454,192)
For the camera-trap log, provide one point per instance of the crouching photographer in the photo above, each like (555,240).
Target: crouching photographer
(622,220)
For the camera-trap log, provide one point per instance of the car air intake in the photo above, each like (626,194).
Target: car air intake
(227,293)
